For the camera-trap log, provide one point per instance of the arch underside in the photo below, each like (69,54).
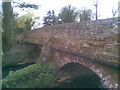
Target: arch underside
(62,58)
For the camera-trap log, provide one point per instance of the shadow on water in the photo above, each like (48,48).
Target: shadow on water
(79,77)
(82,82)
(8,69)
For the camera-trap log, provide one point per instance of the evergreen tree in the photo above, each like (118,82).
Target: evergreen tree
(7,35)
(49,19)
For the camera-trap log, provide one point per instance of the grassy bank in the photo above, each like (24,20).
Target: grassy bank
(33,76)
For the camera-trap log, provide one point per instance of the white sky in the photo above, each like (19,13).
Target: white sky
(104,6)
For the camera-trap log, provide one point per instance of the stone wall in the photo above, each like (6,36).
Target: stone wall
(96,39)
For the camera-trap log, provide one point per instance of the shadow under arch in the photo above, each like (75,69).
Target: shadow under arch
(76,75)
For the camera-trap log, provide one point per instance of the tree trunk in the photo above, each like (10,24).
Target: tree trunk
(7,35)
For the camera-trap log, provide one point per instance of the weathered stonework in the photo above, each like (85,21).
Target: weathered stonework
(87,43)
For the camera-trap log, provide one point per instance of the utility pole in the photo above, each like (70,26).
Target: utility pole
(96,7)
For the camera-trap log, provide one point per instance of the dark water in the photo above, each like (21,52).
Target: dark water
(81,77)
(6,70)
(82,82)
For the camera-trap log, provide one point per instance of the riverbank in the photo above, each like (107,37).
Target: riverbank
(33,76)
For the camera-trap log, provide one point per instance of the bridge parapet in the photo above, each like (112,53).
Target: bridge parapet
(93,38)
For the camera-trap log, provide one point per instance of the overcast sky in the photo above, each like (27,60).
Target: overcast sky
(104,6)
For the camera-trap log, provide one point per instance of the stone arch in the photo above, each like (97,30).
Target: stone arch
(62,58)
(105,79)
(77,71)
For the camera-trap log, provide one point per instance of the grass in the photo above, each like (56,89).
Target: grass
(33,76)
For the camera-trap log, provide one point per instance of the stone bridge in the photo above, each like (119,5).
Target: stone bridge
(93,44)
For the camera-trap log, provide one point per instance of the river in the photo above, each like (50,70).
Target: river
(78,76)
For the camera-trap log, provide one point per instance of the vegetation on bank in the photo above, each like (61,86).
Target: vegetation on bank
(33,76)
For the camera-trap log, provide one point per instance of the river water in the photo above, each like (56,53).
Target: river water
(80,77)
(8,69)
(82,82)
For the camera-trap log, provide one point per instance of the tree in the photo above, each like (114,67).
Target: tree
(8,23)
(1,36)
(26,21)
(68,14)
(7,35)
(1,18)
(115,10)
(85,15)
(25,6)
(49,19)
